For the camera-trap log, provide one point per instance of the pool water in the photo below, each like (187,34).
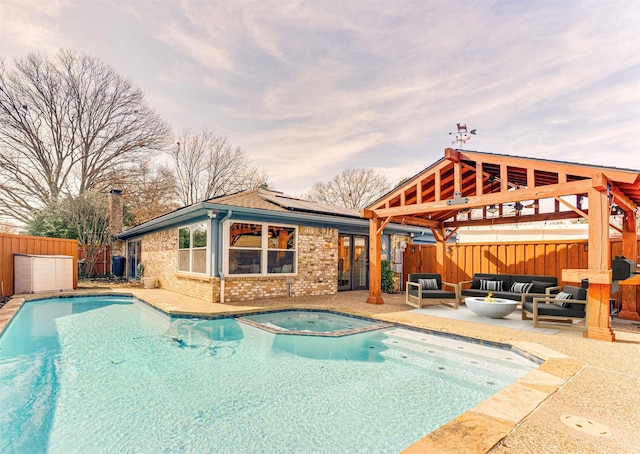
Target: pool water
(112,374)
(316,323)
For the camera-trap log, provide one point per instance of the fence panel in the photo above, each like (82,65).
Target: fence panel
(20,244)
(103,263)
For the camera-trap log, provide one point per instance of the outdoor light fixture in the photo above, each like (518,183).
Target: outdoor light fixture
(616,210)
(492,209)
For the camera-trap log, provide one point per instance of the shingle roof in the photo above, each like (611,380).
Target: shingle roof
(277,201)
(249,199)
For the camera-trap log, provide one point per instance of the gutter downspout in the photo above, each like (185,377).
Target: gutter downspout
(220,238)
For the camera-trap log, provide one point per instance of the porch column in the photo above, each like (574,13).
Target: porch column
(599,325)
(628,293)
(440,236)
(375,250)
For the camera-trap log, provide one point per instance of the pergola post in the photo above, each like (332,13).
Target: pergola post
(629,309)
(375,250)
(440,235)
(599,324)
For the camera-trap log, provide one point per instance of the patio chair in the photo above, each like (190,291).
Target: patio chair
(425,289)
(560,310)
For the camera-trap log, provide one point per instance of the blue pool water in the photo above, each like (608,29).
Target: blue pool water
(111,374)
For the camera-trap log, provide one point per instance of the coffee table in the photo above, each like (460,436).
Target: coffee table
(499,308)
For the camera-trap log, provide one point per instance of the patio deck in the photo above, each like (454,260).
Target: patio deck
(591,385)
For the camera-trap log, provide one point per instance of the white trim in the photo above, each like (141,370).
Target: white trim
(207,249)
(264,248)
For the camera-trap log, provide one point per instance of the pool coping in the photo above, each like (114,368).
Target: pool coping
(478,430)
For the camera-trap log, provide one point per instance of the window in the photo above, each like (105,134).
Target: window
(261,248)
(192,248)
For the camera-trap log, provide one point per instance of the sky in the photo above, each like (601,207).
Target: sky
(308,89)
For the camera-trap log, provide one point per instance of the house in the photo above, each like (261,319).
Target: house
(258,244)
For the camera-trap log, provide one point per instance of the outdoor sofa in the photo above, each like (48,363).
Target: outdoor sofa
(558,309)
(428,289)
(517,287)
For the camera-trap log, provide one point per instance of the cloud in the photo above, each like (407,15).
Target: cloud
(309,88)
(28,26)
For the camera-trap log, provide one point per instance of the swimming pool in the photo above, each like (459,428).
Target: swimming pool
(114,375)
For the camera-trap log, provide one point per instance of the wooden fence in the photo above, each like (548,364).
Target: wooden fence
(103,263)
(547,258)
(20,244)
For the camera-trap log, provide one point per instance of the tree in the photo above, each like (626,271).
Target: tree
(401,182)
(68,124)
(87,215)
(83,217)
(208,166)
(352,188)
(147,193)
(51,221)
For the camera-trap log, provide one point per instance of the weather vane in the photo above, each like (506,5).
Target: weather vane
(463,135)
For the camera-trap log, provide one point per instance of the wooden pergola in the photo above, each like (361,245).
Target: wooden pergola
(442,196)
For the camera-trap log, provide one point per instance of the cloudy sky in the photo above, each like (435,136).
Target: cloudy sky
(308,89)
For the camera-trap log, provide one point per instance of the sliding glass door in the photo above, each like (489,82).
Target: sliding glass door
(353,262)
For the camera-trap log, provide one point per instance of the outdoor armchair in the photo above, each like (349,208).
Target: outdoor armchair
(560,310)
(425,289)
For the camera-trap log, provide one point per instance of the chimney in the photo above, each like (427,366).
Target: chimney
(115,220)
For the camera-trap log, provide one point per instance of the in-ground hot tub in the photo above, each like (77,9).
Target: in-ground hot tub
(311,323)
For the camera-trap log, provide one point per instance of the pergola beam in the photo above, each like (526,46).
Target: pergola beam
(540,192)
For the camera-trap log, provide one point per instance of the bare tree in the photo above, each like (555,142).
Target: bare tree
(352,188)
(87,216)
(148,192)
(68,124)
(208,166)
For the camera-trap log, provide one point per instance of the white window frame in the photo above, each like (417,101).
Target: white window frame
(264,248)
(207,249)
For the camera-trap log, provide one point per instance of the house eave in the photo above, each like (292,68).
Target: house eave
(202,209)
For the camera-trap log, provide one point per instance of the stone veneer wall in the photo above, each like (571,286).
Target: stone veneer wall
(317,269)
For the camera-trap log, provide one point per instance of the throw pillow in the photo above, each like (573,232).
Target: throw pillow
(477,282)
(491,286)
(521,287)
(540,286)
(562,296)
(428,284)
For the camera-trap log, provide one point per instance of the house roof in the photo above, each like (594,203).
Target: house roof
(261,204)
(277,201)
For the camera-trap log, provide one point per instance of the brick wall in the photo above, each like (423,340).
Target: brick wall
(317,270)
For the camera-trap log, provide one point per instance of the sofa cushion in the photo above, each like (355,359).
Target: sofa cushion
(415,277)
(554,309)
(432,293)
(577,293)
(541,286)
(477,293)
(521,287)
